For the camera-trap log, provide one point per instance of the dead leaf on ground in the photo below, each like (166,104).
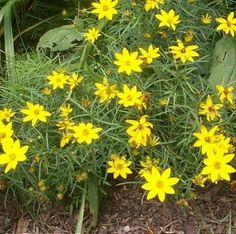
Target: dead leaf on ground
(22,226)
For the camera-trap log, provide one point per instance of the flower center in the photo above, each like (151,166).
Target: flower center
(58,80)
(217,165)
(169,21)
(140,127)
(105,8)
(12,156)
(207,139)
(36,112)
(108,91)
(229,24)
(211,109)
(159,184)
(183,50)
(119,166)
(226,92)
(2,135)
(127,63)
(129,97)
(85,132)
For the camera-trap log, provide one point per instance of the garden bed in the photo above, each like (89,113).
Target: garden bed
(137,94)
(125,210)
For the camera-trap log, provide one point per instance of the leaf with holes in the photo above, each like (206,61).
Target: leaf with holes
(59,39)
(223,69)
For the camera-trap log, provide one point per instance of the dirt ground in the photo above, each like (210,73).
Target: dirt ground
(125,210)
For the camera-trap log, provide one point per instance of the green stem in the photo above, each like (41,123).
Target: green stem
(79,225)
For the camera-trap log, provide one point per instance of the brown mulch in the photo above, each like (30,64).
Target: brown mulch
(56,220)
(125,210)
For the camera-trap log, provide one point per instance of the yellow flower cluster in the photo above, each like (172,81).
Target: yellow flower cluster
(12,152)
(214,145)
(156,183)
(60,79)
(211,110)
(139,131)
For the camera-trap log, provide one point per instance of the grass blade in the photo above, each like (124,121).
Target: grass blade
(6,7)
(8,38)
(79,225)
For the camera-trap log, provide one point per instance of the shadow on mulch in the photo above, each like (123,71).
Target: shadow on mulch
(125,210)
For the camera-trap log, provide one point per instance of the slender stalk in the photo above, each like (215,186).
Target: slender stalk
(79,225)
(8,39)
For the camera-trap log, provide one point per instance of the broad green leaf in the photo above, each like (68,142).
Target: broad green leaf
(92,185)
(223,69)
(59,39)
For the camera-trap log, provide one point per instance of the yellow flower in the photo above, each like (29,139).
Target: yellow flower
(57,79)
(164,101)
(206,140)
(182,202)
(139,130)
(147,165)
(128,62)
(159,184)
(47,91)
(41,185)
(66,137)
(65,110)
(206,19)
(225,93)
(65,124)
(184,53)
(35,112)
(129,97)
(127,13)
(149,55)
(74,80)
(105,91)
(217,168)
(188,35)
(13,154)
(105,9)
(6,131)
(36,159)
(222,144)
(153,140)
(81,177)
(6,114)
(59,196)
(199,180)
(147,35)
(119,166)
(227,25)
(168,19)
(144,102)
(209,109)
(151,4)
(92,35)
(85,133)
(85,102)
